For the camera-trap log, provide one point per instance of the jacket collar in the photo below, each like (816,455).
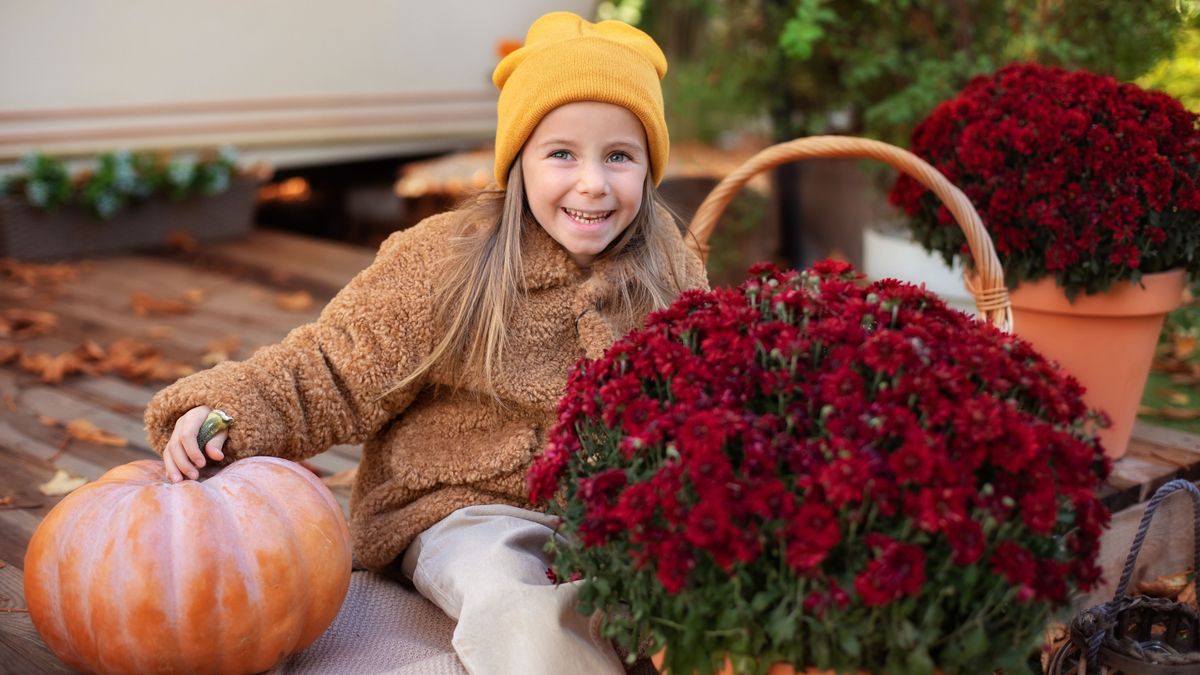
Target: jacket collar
(544,262)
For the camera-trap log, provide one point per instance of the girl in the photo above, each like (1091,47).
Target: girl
(447,355)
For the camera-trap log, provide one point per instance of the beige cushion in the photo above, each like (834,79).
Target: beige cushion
(383,627)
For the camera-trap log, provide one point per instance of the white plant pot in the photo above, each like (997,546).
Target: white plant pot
(888,255)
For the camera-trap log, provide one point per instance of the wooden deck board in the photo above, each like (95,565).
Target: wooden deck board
(239,282)
(238,291)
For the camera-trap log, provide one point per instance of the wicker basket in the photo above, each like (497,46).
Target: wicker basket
(1136,635)
(985,281)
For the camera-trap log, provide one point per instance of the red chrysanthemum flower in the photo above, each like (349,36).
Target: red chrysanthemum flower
(1076,175)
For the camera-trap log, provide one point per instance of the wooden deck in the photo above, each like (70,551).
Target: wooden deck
(230,290)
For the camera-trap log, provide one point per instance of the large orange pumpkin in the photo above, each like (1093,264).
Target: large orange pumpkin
(228,574)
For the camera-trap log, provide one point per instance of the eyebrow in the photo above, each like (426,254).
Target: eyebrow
(616,143)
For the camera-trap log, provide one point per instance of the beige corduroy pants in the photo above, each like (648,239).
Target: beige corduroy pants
(484,566)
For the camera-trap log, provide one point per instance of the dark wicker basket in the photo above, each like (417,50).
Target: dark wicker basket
(1137,635)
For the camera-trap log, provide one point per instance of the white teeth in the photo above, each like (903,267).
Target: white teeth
(586,217)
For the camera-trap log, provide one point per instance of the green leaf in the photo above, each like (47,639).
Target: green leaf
(919,661)
(975,642)
(850,644)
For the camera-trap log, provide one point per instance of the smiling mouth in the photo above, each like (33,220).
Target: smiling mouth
(587,217)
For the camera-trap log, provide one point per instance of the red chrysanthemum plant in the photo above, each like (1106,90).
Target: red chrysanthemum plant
(1076,176)
(811,470)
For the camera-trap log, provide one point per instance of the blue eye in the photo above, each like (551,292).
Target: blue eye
(560,154)
(619,157)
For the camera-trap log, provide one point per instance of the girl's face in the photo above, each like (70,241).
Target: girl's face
(584,168)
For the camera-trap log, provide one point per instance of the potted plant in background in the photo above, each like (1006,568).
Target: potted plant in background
(1090,190)
(812,471)
(123,201)
(802,67)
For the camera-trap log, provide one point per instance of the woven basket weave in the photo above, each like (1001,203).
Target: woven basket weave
(1137,635)
(985,281)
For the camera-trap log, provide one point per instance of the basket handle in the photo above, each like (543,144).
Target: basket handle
(985,281)
(1144,527)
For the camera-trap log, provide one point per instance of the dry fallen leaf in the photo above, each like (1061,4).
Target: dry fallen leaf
(194,295)
(159,331)
(9,353)
(61,484)
(182,241)
(46,420)
(51,368)
(221,349)
(6,501)
(83,430)
(141,362)
(32,274)
(1188,595)
(145,304)
(19,323)
(1179,398)
(300,301)
(1167,586)
(1183,346)
(91,350)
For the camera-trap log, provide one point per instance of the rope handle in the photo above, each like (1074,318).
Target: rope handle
(1144,527)
(985,281)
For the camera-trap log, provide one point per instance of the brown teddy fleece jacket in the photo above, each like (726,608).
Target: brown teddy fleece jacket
(432,447)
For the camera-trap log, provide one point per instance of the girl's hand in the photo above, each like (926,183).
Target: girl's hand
(182,458)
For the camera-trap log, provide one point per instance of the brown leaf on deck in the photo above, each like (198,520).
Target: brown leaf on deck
(61,484)
(159,331)
(48,421)
(37,274)
(194,295)
(145,304)
(18,323)
(51,368)
(300,301)
(182,241)
(6,501)
(138,361)
(91,350)
(9,353)
(221,349)
(1188,595)
(1167,586)
(84,430)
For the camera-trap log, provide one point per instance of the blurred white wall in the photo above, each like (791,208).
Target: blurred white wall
(287,81)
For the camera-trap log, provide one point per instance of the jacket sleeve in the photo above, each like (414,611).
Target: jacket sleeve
(322,384)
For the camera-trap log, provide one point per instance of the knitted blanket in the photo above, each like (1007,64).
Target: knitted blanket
(387,628)
(383,627)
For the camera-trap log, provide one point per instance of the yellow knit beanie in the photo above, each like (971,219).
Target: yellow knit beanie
(567,59)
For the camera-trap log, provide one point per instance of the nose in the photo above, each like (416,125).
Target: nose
(592,179)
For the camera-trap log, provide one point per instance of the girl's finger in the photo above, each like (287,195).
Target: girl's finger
(187,438)
(183,462)
(214,445)
(172,472)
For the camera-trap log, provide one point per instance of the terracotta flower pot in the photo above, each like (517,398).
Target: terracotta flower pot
(1105,340)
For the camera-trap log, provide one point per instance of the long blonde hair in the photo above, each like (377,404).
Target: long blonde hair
(481,286)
